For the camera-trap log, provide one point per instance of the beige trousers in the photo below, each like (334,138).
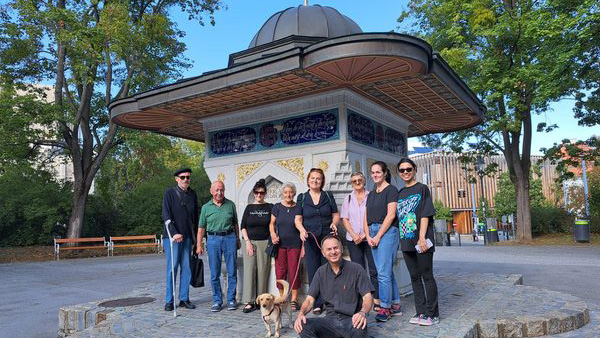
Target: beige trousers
(256,271)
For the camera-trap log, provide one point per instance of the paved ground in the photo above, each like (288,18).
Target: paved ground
(33,292)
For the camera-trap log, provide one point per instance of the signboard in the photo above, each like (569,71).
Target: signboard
(370,133)
(309,128)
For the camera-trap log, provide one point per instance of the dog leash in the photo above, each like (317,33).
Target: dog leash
(302,252)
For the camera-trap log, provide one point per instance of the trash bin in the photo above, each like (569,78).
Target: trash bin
(492,235)
(582,231)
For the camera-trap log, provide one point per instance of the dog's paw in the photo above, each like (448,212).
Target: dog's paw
(268,334)
(277,335)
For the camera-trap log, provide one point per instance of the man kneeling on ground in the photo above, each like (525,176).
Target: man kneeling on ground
(346,292)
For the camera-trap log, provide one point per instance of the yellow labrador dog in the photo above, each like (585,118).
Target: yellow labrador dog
(272,307)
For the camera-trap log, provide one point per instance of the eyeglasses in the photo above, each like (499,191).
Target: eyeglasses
(259,192)
(405,170)
(184,177)
(359,181)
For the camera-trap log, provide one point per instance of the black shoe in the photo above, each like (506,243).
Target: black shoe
(169,307)
(187,304)
(249,308)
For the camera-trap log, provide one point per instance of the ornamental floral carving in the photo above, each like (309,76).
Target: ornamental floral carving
(245,170)
(221,177)
(323,165)
(295,165)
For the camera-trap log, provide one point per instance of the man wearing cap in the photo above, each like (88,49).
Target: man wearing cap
(180,216)
(218,219)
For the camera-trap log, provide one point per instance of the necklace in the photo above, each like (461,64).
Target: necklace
(288,208)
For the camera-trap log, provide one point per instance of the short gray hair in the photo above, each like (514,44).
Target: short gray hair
(359,173)
(289,185)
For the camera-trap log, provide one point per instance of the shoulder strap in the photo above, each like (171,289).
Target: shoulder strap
(301,200)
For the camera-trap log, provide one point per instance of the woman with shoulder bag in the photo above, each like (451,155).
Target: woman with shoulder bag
(255,233)
(288,233)
(320,217)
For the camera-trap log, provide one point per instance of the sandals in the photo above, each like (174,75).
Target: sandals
(294,305)
(249,307)
(317,311)
(376,308)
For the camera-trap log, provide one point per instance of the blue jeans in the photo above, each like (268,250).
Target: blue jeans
(385,256)
(181,256)
(217,246)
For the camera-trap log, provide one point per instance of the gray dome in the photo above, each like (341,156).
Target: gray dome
(314,21)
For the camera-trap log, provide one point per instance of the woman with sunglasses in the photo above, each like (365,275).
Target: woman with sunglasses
(382,235)
(255,232)
(353,215)
(415,219)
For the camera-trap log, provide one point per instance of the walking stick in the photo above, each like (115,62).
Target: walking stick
(172,267)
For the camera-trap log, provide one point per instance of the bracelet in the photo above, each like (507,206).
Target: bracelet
(364,313)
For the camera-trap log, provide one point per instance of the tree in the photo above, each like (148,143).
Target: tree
(505,199)
(518,56)
(87,49)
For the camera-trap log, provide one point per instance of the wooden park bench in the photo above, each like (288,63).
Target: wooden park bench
(84,243)
(146,241)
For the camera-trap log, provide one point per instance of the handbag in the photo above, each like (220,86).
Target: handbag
(272,249)
(197,266)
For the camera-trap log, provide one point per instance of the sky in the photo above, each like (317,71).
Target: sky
(209,48)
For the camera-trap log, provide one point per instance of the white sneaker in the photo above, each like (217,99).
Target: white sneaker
(415,319)
(428,321)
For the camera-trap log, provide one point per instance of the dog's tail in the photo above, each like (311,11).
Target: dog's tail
(286,291)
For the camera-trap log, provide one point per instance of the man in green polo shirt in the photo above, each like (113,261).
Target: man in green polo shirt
(218,219)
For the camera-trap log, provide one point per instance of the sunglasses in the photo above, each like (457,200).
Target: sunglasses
(357,181)
(405,170)
(184,177)
(260,192)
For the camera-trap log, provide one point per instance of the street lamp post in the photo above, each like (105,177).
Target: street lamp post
(480,171)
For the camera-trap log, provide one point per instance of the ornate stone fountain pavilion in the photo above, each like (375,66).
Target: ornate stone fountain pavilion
(311,90)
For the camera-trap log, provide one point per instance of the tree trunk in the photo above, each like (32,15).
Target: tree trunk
(80,194)
(523,210)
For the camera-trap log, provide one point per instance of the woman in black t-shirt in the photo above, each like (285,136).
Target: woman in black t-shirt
(255,232)
(382,236)
(286,230)
(320,217)
(415,220)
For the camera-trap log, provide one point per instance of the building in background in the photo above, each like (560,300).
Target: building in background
(449,182)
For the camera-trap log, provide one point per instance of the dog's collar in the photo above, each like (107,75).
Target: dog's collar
(268,314)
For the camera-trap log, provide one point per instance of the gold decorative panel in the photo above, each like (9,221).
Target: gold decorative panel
(295,165)
(357,165)
(323,165)
(245,170)
(221,177)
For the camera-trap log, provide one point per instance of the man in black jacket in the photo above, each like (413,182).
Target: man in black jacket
(180,216)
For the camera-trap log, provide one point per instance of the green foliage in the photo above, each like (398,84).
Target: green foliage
(505,200)
(92,52)
(594,198)
(132,181)
(33,207)
(549,219)
(517,56)
(441,211)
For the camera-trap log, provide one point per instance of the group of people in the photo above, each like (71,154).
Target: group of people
(377,224)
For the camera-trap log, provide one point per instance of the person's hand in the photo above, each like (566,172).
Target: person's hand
(249,248)
(356,238)
(275,238)
(333,228)
(374,241)
(359,320)
(303,235)
(200,249)
(178,238)
(300,320)
(422,243)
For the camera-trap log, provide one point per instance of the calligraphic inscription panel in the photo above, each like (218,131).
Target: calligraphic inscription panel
(368,132)
(309,128)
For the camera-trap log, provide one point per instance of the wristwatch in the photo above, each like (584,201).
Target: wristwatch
(364,313)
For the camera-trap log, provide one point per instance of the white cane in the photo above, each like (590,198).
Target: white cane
(172,266)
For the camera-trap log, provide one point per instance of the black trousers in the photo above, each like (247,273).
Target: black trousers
(313,259)
(361,254)
(420,267)
(331,326)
